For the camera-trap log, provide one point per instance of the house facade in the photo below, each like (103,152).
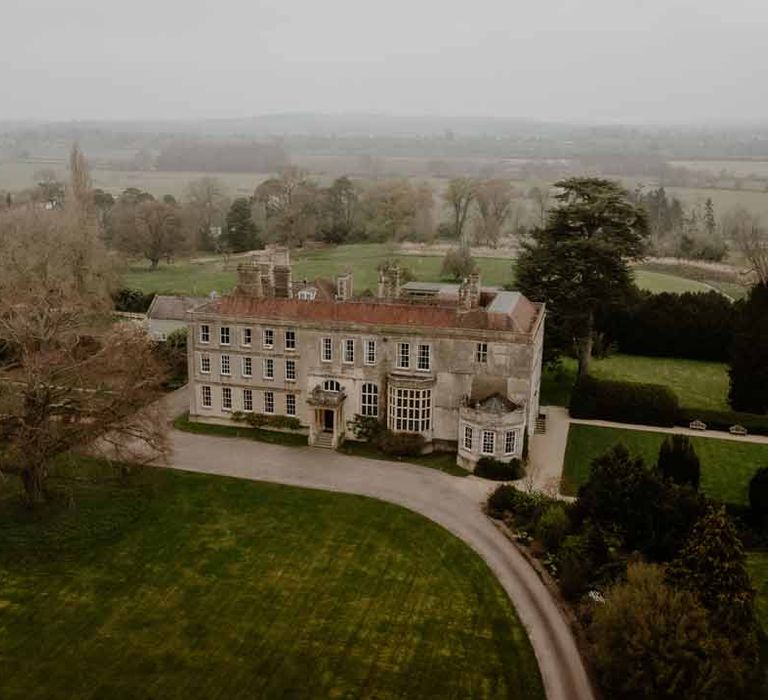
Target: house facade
(458,364)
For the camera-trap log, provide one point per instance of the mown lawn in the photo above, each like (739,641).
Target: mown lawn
(726,465)
(363,259)
(172,585)
(657,282)
(697,384)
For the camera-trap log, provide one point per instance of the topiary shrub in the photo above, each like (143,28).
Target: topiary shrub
(489,468)
(401,444)
(553,526)
(624,402)
(758,494)
(678,462)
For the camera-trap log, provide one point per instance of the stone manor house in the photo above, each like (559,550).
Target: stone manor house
(458,363)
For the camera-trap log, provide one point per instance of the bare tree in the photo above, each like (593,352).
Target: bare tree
(751,237)
(70,388)
(494,207)
(540,197)
(458,196)
(205,208)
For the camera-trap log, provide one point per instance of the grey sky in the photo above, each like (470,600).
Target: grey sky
(585,60)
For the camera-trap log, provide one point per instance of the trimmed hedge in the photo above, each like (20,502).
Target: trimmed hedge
(624,402)
(723,420)
(263,420)
(489,468)
(401,444)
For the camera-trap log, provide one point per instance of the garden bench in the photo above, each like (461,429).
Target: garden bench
(737,430)
(697,425)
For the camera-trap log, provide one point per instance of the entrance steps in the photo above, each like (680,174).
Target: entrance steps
(540,427)
(324,440)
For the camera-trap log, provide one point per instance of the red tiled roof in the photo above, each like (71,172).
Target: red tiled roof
(521,320)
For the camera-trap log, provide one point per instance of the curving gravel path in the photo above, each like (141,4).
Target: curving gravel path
(453,502)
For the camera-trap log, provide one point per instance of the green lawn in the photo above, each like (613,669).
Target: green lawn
(658,282)
(363,259)
(757,562)
(726,465)
(697,384)
(172,585)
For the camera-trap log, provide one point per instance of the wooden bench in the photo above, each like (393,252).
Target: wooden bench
(737,430)
(697,425)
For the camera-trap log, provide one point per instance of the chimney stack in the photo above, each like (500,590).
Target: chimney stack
(344,286)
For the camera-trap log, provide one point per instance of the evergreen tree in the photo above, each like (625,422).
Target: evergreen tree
(578,263)
(749,354)
(241,232)
(709,217)
(678,461)
(712,565)
(758,494)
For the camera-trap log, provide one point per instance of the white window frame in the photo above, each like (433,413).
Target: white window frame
(410,410)
(510,436)
(369,400)
(205,333)
(206,396)
(290,376)
(269,402)
(268,338)
(420,365)
(326,344)
(370,352)
(488,437)
(268,368)
(246,366)
(205,360)
(481,353)
(469,436)
(403,353)
(225,361)
(246,338)
(225,331)
(332,385)
(226,398)
(248,400)
(290,410)
(290,339)
(348,351)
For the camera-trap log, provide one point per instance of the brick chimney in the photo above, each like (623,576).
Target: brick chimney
(389,281)
(469,292)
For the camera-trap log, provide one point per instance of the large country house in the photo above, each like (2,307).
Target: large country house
(458,363)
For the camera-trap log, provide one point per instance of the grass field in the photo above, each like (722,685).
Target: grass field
(697,384)
(363,259)
(757,562)
(172,585)
(658,282)
(726,465)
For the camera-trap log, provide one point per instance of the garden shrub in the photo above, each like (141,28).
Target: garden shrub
(758,494)
(525,507)
(678,461)
(367,428)
(697,326)
(624,402)
(755,423)
(133,300)
(263,420)
(489,468)
(401,444)
(553,526)
(573,567)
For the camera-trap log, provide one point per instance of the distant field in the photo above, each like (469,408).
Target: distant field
(726,465)
(737,168)
(363,260)
(697,384)
(657,282)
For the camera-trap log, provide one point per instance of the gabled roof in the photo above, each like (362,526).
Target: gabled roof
(173,308)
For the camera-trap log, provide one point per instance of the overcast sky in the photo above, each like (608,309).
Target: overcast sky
(562,60)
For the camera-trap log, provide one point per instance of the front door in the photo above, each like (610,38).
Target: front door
(328,421)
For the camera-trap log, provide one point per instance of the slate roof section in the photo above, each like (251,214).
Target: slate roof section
(521,319)
(173,308)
